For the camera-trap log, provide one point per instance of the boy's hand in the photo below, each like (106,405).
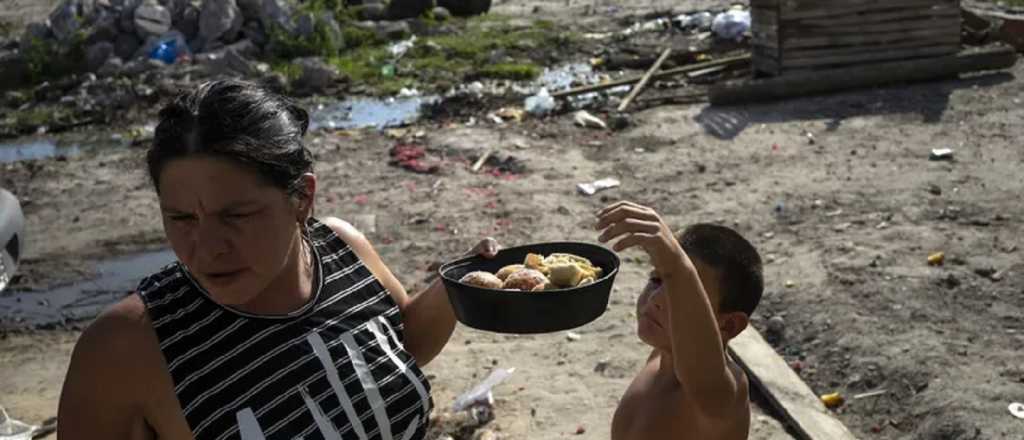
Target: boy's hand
(641,226)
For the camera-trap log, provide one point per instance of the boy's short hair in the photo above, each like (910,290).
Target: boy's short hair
(735,259)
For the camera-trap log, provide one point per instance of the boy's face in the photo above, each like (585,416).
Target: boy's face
(652,306)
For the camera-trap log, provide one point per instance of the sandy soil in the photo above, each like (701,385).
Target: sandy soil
(845,224)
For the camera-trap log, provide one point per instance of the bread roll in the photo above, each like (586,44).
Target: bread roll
(526,280)
(483,279)
(504,272)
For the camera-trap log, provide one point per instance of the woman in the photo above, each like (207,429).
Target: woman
(272,324)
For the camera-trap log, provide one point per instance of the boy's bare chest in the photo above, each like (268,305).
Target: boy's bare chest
(649,410)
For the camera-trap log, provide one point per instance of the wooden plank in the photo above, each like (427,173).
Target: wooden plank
(874,56)
(854,9)
(639,87)
(869,75)
(788,394)
(835,51)
(731,61)
(950,24)
(849,40)
(803,5)
(875,17)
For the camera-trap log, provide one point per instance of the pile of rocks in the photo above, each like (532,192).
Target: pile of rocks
(125,37)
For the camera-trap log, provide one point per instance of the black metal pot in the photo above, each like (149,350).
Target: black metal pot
(505,311)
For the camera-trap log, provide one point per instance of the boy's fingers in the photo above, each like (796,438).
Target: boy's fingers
(611,207)
(631,240)
(629,225)
(624,212)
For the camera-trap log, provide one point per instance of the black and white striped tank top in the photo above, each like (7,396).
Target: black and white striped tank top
(335,370)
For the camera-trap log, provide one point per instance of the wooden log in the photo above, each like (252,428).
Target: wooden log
(882,37)
(872,56)
(875,17)
(870,75)
(736,60)
(950,24)
(786,392)
(884,5)
(643,81)
(852,50)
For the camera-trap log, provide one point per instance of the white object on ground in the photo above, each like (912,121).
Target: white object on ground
(731,25)
(400,48)
(540,104)
(482,392)
(1017,410)
(11,429)
(593,187)
(941,154)
(584,119)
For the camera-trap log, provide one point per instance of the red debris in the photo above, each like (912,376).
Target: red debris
(580,430)
(361,199)
(413,158)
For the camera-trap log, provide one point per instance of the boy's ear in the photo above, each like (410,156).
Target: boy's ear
(732,324)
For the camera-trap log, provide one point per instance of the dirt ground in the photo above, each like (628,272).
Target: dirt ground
(845,225)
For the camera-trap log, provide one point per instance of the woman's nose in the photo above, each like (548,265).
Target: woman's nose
(210,238)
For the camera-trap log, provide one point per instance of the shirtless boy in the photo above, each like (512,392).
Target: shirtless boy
(704,285)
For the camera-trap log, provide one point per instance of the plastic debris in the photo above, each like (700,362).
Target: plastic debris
(540,104)
(585,119)
(655,25)
(936,259)
(731,25)
(600,185)
(481,394)
(941,154)
(1017,410)
(11,429)
(833,400)
(166,51)
(572,336)
(400,48)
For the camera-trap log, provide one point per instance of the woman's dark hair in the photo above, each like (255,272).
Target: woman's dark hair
(238,121)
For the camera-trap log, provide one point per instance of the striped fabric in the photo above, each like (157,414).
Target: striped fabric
(337,370)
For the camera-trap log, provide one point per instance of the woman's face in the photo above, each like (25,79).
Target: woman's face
(235,232)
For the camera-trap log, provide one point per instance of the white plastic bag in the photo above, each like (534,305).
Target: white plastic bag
(731,25)
(482,392)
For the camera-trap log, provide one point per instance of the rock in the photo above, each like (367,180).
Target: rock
(441,13)
(110,68)
(253,31)
(97,55)
(245,48)
(372,12)
(777,327)
(316,75)
(219,20)
(250,9)
(466,8)
(14,72)
(277,13)
(138,67)
(276,82)
(227,62)
(333,29)
(305,25)
(151,19)
(176,8)
(103,29)
(126,45)
(403,9)
(34,33)
(189,23)
(65,21)
(393,30)
(127,20)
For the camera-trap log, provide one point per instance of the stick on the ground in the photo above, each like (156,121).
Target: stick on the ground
(639,87)
(480,162)
(663,74)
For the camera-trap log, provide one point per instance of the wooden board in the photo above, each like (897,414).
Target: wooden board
(790,396)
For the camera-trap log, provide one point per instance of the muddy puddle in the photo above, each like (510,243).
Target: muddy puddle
(80,301)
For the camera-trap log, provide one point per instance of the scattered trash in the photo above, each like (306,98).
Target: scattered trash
(699,22)
(481,394)
(833,400)
(587,120)
(408,93)
(166,51)
(540,104)
(600,185)
(731,25)
(790,283)
(941,154)
(580,430)
(400,48)
(1017,410)
(572,336)
(513,113)
(810,138)
(871,394)
(656,25)
(411,157)
(936,259)
(777,327)
(11,429)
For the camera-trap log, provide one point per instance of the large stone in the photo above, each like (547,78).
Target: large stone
(441,13)
(103,29)
(110,68)
(277,13)
(305,25)
(98,54)
(227,62)
(402,9)
(126,45)
(393,30)
(176,8)
(151,19)
(219,20)
(127,20)
(316,75)
(253,31)
(251,9)
(189,23)
(466,8)
(14,71)
(65,21)
(35,33)
(372,12)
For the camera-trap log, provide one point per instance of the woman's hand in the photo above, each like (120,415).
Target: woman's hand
(487,248)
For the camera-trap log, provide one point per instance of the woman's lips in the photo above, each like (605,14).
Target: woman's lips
(223,278)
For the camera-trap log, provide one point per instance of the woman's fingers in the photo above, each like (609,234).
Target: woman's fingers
(629,225)
(487,248)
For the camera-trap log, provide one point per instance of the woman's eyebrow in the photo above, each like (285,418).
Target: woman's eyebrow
(230,206)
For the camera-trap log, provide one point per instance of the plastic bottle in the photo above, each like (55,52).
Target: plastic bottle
(166,51)
(540,104)
(11,429)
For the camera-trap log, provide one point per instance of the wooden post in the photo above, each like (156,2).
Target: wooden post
(643,81)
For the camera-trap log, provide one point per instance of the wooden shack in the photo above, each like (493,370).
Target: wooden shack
(803,35)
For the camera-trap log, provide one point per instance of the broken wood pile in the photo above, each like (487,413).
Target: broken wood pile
(802,35)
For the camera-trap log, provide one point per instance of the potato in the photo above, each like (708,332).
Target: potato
(483,279)
(526,280)
(504,272)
